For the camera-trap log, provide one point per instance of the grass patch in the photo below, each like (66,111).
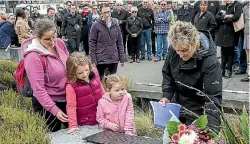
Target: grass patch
(10,98)
(7,69)
(144,124)
(17,123)
(18,126)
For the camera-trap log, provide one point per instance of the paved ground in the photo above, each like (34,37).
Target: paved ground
(146,76)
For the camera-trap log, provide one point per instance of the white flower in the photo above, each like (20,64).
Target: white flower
(188,139)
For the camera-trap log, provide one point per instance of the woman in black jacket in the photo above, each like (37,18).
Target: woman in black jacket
(192,61)
(226,37)
(134,27)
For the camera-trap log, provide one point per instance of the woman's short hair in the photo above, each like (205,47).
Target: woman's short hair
(42,26)
(74,60)
(134,8)
(184,33)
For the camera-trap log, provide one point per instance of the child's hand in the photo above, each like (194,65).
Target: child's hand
(71,130)
(115,127)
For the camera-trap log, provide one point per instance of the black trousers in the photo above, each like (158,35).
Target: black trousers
(129,46)
(227,57)
(153,35)
(52,122)
(85,39)
(106,69)
(135,47)
(124,40)
(74,43)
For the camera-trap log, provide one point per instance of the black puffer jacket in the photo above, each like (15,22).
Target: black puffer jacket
(226,36)
(203,72)
(186,15)
(71,25)
(134,26)
(122,16)
(147,16)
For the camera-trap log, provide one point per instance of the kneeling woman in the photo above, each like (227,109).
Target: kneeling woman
(192,61)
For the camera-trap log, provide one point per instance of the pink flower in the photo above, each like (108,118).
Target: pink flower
(181,127)
(175,137)
(211,142)
(187,132)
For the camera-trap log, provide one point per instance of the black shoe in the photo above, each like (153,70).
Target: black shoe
(142,58)
(149,58)
(239,73)
(245,79)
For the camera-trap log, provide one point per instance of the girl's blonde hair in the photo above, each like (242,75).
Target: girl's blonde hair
(110,80)
(74,60)
(184,33)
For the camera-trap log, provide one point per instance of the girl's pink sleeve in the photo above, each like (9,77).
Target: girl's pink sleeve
(129,126)
(100,117)
(71,106)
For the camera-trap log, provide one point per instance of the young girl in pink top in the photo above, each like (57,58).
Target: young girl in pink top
(83,91)
(115,109)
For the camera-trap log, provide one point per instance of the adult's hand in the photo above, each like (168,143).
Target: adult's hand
(62,116)
(164,101)
(122,64)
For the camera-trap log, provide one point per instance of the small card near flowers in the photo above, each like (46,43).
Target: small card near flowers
(163,114)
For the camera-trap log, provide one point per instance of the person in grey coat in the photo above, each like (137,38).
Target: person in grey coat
(246,45)
(105,43)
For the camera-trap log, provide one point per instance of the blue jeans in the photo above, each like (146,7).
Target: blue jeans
(236,54)
(146,38)
(243,57)
(162,44)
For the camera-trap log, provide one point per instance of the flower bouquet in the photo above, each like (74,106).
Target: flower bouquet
(196,133)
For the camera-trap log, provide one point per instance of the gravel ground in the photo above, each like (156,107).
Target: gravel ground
(61,137)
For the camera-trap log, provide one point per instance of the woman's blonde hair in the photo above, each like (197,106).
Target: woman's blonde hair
(110,80)
(184,33)
(74,60)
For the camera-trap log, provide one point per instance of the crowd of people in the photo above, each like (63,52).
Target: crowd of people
(68,88)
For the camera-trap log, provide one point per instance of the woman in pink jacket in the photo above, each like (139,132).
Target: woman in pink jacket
(48,83)
(115,109)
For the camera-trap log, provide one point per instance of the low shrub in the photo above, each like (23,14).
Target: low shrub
(145,126)
(12,99)
(18,127)
(17,123)
(7,69)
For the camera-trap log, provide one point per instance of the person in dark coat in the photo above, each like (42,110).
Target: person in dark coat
(71,28)
(186,12)
(226,37)
(204,20)
(147,16)
(192,61)
(121,14)
(7,31)
(213,7)
(85,28)
(105,43)
(134,28)
(35,15)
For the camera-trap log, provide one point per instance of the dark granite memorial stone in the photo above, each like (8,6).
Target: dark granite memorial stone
(109,137)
